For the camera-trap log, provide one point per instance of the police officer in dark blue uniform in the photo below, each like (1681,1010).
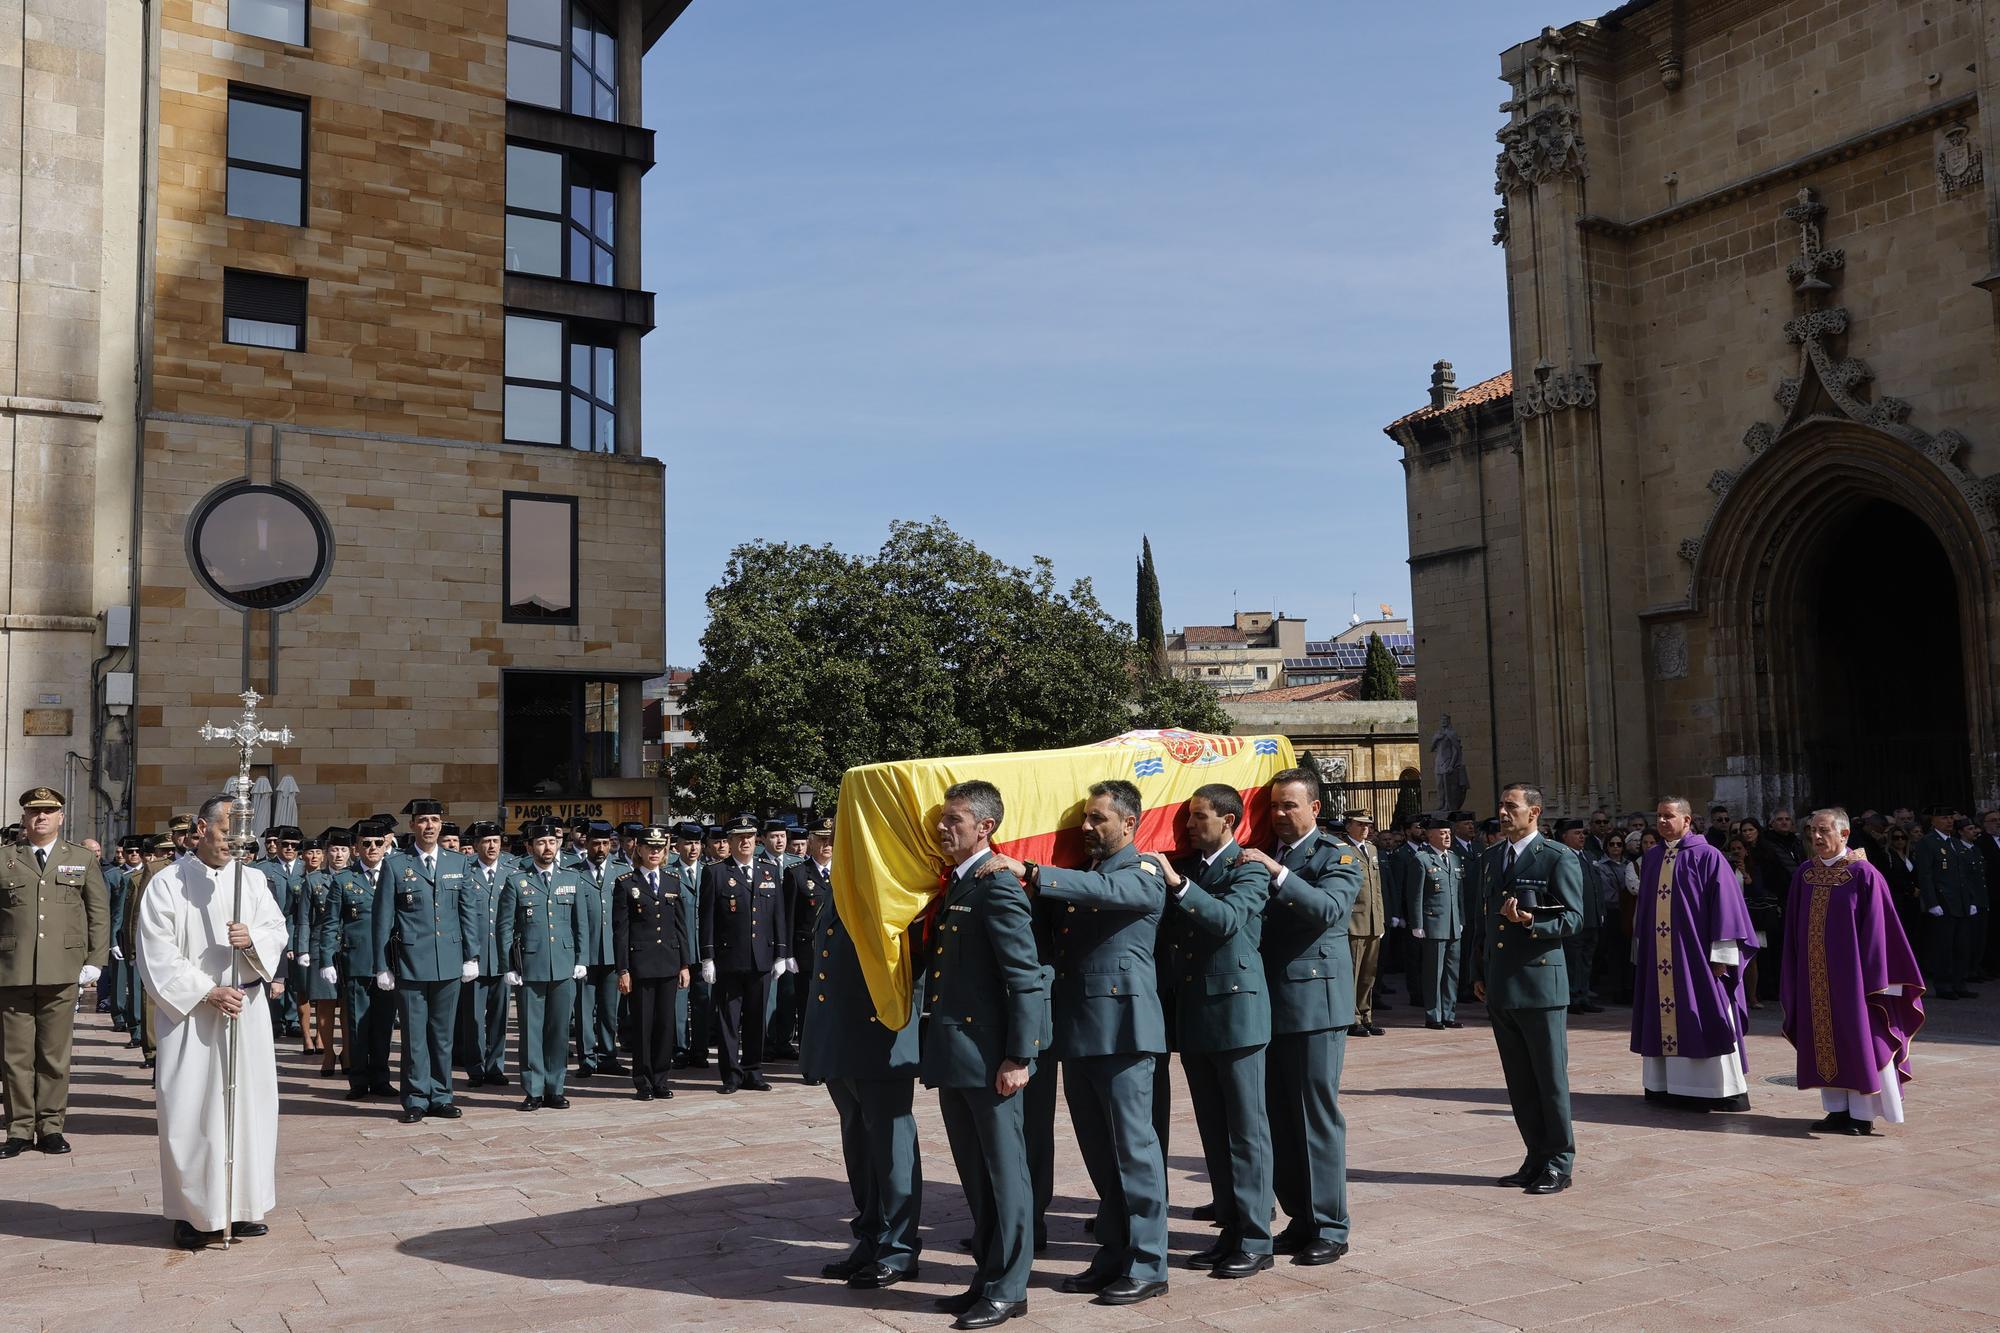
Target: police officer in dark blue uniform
(653,952)
(746,944)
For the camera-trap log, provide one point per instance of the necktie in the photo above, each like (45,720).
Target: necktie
(1284,850)
(1508,868)
(430,866)
(42,858)
(652,882)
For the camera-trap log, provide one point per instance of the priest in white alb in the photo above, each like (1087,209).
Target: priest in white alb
(206,970)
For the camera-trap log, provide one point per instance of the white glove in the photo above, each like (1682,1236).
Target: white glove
(708,971)
(118,953)
(513,978)
(1416,932)
(330,975)
(1937,911)
(579,972)
(778,969)
(305,960)
(1395,923)
(87,976)
(385,981)
(792,966)
(471,972)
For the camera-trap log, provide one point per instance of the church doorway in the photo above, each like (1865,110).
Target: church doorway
(1881,663)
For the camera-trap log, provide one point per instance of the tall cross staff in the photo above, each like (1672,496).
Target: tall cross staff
(246,736)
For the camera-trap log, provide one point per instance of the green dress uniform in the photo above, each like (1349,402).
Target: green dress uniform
(544,934)
(1949,887)
(1309,968)
(287,881)
(482,1003)
(1222,1016)
(870,1072)
(309,918)
(651,947)
(347,943)
(111,985)
(1527,990)
(55,920)
(420,904)
(988,1002)
(1431,901)
(597,994)
(1109,1031)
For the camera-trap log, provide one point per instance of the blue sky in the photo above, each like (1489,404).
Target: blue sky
(1064,272)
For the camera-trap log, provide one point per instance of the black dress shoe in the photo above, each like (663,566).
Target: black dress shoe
(1241,1265)
(843,1268)
(556,1103)
(448,1110)
(1453,1023)
(1319,1252)
(585,1072)
(187,1238)
(530,1104)
(1374,1031)
(756,1083)
(1357,1030)
(1290,1242)
(1089,1280)
(1834,1122)
(664,1094)
(642,1095)
(475,1080)
(1519,1179)
(55,1145)
(14,1147)
(354,1094)
(958,1304)
(984,1313)
(496,1080)
(729,1085)
(613,1067)
(382,1090)
(1130,1291)
(1213,1255)
(1551,1181)
(411,1115)
(1434,1025)
(870,1277)
(250,1230)
(1203,1212)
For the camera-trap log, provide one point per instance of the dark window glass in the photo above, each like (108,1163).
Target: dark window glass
(580,76)
(592,406)
(267,157)
(260,548)
(279,20)
(558,386)
(263,310)
(539,562)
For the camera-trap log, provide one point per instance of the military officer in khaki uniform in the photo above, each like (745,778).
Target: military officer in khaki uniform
(55,936)
(1367,923)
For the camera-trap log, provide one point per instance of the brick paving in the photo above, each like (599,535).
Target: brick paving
(714,1212)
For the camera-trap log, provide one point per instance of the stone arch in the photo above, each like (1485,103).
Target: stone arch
(1751,575)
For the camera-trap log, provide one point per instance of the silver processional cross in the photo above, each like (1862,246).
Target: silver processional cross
(246,736)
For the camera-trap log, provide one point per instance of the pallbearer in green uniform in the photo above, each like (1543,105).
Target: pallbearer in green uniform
(870,1071)
(1432,904)
(347,948)
(544,932)
(1109,1031)
(597,995)
(482,1003)
(988,1020)
(1214,920)
(55,937)
(1532,900)
(650,942)
(426,947)
(1309,968)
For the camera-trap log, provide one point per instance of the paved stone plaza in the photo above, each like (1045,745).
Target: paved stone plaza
(716,1212)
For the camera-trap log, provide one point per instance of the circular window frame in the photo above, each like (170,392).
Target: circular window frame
(207,506)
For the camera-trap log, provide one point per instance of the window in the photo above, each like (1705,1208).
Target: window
(259,548)
(538,559)
(263,310)
(267,157)
(1263,673)
(279,20)
(578,73)
(559,386)
(560,217)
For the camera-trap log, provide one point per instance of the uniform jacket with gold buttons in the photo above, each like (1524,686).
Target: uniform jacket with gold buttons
(1105,924)
(648,933)
(744,925)
(544,928)
(1307,961)
(985,992)
(54,920)
(428,915)
(1524,965)
(1213,929)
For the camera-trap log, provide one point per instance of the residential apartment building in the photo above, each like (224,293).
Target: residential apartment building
(380,458)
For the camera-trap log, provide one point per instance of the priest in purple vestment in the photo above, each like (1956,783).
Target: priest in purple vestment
(1850,988)
(1689,1008)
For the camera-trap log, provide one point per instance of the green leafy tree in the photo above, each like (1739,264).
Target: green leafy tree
(815,661)
(1379,679)
(1152,632)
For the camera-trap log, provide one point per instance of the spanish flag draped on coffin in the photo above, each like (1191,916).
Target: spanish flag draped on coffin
(885,860)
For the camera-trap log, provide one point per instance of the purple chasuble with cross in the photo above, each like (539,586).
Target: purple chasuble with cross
(1844,948)
(1680,1007)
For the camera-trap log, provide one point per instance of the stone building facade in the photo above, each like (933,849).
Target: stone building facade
(1739,538)
(381,460)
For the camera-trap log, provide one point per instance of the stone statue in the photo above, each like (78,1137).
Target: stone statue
(1448,762)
